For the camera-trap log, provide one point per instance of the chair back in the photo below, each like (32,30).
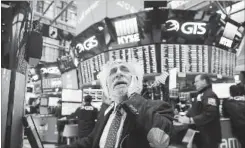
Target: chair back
(70,130)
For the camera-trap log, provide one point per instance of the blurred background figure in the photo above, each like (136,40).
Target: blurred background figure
(57,110)
(58,115)
(86,115)
(34,105)
(234,108)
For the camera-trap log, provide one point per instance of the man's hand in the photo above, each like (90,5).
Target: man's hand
(184,119)
(160,79)
(135,86)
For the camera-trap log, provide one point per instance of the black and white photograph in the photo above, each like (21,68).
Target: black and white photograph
(122,74)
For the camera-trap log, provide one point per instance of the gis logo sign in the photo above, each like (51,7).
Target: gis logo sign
(87,45)
(189,28)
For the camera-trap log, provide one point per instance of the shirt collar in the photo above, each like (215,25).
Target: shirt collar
(204,88)
(113,107)
(109,109)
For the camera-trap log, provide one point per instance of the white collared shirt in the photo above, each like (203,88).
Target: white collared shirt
(108,124)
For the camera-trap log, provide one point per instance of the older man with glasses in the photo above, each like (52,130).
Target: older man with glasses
(130,121)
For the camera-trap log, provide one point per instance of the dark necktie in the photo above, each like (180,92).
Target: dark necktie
(112,134)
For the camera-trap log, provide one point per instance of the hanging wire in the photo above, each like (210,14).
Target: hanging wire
(93,20)
(106,8)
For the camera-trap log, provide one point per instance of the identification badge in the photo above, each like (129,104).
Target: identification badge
(199,97)
(211,101)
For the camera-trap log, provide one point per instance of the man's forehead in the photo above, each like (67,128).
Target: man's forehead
(120,64)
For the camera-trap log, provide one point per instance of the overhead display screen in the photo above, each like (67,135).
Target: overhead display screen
(222,62)
(69,79)
(186,58)
(90,68)
(71,95)
(197,59)
(145,55)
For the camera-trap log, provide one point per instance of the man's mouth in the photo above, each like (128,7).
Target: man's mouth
(120,83)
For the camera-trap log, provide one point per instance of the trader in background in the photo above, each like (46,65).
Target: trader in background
(86,115)
(234,108)
(60,125)
(204,114)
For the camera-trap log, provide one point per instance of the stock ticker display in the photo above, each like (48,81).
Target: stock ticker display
(187,58)
(90,68)
(197,59)
(222,62)
(145,55)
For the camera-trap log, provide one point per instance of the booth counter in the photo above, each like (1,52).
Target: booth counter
(228,139)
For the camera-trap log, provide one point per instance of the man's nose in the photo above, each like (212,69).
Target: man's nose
(119,73)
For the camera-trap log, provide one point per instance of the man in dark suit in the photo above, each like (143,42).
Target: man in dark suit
(204,114)
(234,108)
(130,121)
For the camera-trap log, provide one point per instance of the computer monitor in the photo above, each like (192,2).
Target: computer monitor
(71,95)
(69,79)
(222,90)
(69,108)
(53,101)
(44,102)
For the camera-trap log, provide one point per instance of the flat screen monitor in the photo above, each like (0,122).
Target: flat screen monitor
(222,90)
(43,110)
(53,101)
(230,31)
(69,79)
(44,102)
(71,95)
(69,108)
(31,132)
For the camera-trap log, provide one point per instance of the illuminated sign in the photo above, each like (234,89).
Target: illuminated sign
(173,24)
(226,42)
(128,38)
(229,143)
(87,44)
(52,83)
(187,27)
(126,6)
(87,11)
(127,31)
(50,70)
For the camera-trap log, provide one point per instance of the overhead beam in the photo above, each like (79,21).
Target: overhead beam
(220,7)
(46,9)
(67,6)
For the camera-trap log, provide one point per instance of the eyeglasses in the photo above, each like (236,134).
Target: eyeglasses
(122,68)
